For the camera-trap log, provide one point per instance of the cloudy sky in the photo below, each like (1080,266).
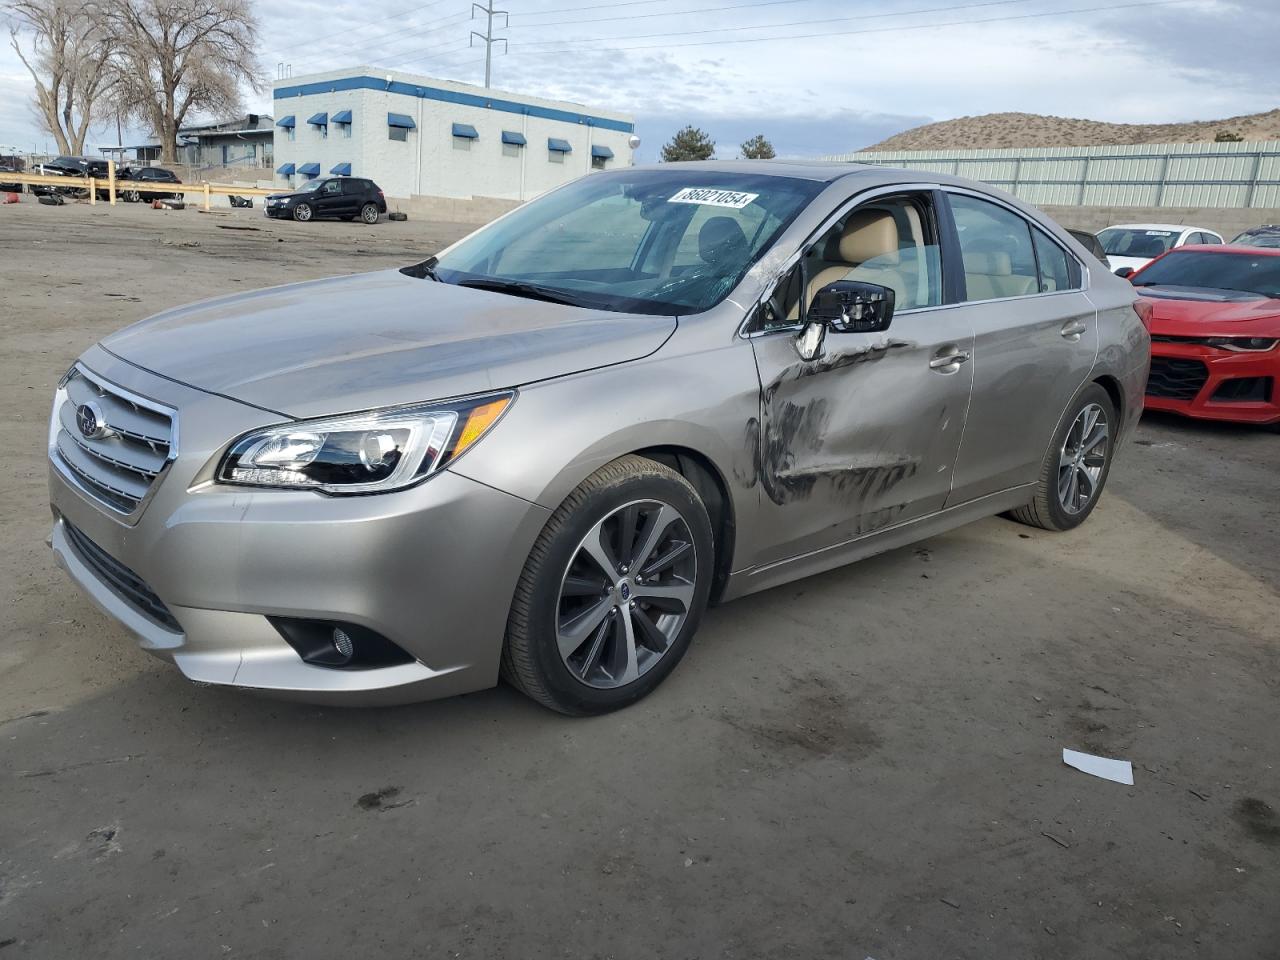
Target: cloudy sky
(815,76)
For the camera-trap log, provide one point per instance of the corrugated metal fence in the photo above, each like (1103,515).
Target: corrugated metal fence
(1239,175)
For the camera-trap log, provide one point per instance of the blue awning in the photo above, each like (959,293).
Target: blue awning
(319,119)
(342,116)
(286,122)
(512,137)
(341,169)
(285,169)
(310,169)
(603,153)
(466,131)
(556,145)
(400,120)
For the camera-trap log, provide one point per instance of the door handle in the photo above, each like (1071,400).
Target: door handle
(950,360)
(1072,329)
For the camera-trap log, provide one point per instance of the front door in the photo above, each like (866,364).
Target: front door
(1036,340)
(329,199)
(866,435)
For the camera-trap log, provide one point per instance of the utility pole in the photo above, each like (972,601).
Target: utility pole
(487,38)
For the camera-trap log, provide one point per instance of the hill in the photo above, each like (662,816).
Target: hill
(995,130)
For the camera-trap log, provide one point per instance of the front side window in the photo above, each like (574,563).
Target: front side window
(647,242)
(331,187)
(996,250)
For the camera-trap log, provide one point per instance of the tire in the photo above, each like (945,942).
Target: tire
(302,212)
(132,196)
(369,213)
(564,587)
(1055,506)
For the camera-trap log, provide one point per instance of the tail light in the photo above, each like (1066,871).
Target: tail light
(1144,310)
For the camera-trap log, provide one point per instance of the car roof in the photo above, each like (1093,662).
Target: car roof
(822,171)
(1171,227)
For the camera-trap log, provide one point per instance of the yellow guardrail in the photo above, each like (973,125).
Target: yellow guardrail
(114,186)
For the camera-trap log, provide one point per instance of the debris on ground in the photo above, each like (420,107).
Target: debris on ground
(237,201)
(1058,840)
(168,205)
(11,197)
(1119,771)
(52,200)
(232,226)
(397,216)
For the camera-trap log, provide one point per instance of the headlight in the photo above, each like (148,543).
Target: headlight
(361,453)
(1241,344)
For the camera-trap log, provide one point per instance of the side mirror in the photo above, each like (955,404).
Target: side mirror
(1124,273)
(846,306)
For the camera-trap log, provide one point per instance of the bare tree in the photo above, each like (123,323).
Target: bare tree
(69,55)
(176,56)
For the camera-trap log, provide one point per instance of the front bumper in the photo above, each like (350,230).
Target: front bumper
(432,568)
(1208,383)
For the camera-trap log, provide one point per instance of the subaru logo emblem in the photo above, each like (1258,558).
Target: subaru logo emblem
(624,591)
(90,421)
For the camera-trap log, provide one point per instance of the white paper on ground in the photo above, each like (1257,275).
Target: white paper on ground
(1121,771)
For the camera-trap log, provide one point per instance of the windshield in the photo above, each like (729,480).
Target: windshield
(640,241)
(1215,271)
(1259,238)
(307,185)
(1137,242)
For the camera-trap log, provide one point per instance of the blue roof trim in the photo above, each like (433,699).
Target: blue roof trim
(603,152)
(556,145)
(309,169)
(400,120)
(466,131)
(342,116)
(285,169)
(287,122)
(512,137)
(319,119)
(449,96)
(341,169)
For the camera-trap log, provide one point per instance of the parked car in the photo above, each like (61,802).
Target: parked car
(1267,235)
(77,167)
(1131,246)
(545,450)
(11,166)
(1091,243)
(1215,328)
(131,181)
(344,198)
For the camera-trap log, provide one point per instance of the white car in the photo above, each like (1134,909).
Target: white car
(1134,245)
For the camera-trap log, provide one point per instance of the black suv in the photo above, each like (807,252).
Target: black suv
(342,197)
(1267,235)
(150,177)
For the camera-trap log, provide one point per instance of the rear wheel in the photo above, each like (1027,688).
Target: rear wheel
(302,212)
(612,592)
(369,213)
(1076,466)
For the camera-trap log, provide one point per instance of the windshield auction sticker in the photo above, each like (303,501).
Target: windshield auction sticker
(711,197)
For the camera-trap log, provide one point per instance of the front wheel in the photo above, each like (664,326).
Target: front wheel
(132,196)
(613,590)
(1076,467)
(369,213)
(302,212)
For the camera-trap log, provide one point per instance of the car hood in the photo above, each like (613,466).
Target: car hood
(1209,314)
(289,194)
(377,339)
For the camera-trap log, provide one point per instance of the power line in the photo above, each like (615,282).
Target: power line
(663,13)
(401,35)
(368,23)
(773,26)
(845,33)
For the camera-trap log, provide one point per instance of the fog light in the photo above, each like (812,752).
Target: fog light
(342,643)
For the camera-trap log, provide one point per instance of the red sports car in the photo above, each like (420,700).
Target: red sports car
(1215,332)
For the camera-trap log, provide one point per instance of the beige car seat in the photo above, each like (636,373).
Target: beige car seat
(990,276)
(868,251)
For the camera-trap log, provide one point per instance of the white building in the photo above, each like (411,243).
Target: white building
(418,136)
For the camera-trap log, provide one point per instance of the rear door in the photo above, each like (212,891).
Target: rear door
(866,435)
(1035,342)
(355,194)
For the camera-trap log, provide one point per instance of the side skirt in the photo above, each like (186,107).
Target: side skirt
(754,579)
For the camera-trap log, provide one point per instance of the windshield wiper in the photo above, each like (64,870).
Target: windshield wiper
(426,270)
(521,288)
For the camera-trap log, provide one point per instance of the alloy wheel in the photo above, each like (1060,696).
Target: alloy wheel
(626,594)
(1082,459)
(370,213)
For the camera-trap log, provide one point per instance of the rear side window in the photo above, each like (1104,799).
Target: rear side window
(996,248)
(1055,266)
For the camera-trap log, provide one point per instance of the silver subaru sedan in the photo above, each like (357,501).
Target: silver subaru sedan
(542,453)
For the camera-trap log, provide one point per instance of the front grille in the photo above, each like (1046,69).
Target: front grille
(1176,379)
(128,585)
(118,464)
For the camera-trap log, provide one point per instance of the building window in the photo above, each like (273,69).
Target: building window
(511,149)
(555,156)
(461,143)
(598,163)
(292,134)
(398,133)
(346,130)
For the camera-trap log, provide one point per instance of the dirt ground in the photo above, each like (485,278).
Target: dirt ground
(863,764)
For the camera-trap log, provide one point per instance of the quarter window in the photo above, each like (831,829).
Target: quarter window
(996,248)
(1055,267)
